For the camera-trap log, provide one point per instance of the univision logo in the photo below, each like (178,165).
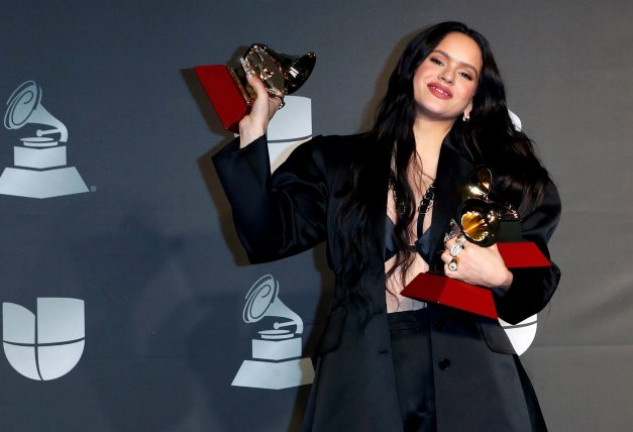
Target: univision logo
(46,345)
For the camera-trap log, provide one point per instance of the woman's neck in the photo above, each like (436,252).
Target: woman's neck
(429,136)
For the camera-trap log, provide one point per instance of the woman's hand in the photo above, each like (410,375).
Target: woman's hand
(476,265)
(254,125)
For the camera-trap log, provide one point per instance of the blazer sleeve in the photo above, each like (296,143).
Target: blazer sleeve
(532,288)
(274,215)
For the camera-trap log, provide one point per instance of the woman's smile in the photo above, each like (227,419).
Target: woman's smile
(440,91)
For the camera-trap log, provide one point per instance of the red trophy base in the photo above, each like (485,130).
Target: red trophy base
(453,293)
(522,254)
(472,298)
(224,94)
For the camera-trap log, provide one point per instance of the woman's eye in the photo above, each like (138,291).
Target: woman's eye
(436,61)
(466,75)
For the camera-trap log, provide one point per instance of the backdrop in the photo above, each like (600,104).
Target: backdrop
(124,289)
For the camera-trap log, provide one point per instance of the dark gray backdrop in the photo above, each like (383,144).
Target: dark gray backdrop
(151,251)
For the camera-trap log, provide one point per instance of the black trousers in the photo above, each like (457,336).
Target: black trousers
(411,347)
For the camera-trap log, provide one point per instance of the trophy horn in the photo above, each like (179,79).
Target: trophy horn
(478,184)
(25,106)
(479,221)
(283,72)
(262,300)
(484,222)
(297,69)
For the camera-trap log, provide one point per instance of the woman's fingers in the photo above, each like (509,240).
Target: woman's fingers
(254,125)
(475,264)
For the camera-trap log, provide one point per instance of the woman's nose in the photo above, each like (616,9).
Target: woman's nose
(447,76)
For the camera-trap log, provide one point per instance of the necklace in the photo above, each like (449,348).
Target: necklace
(427,200)
(426,203)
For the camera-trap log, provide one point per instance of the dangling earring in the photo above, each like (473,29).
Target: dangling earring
(466,118)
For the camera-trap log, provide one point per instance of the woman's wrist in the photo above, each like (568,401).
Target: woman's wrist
(249,135)
(505,281)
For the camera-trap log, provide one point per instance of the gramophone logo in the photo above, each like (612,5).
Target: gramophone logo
(40,168)
(46,345)
(276,351)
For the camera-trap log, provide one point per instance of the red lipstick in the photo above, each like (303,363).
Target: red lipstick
(440,91)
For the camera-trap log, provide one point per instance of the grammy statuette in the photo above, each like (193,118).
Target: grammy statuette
(481,220)
(229,92)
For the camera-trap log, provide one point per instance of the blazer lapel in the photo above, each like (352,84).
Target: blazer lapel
(452,169)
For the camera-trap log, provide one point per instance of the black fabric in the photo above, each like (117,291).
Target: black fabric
(476,381)
(390,240)
(411,345)
(536,416)
(421,246)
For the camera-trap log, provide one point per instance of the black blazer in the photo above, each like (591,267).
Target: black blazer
(275,216)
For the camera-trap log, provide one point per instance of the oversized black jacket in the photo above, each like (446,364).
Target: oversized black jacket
(479,383)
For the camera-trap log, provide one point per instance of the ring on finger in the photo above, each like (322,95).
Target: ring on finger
(452,265)
(455,249)
(449,235)
(460,240)
(282,103)
(279,97)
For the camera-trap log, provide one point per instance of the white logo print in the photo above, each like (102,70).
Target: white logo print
(40,161)
(289,128)
(48,345)
(521,334)
(277,362)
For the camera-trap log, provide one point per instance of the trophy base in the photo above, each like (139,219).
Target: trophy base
(41,184)
(472,298)
(224,93)
(274,375)
(522,254)
(453,293)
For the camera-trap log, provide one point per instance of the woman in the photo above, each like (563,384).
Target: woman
(383,202)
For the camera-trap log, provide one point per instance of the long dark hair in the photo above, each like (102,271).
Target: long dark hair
(489,138)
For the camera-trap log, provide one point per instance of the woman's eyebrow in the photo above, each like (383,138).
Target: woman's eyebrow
(465,64)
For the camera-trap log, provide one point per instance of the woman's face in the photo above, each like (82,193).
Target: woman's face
(446,81)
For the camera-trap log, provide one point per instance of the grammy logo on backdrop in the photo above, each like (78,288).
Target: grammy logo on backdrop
(40,169)
(276,351)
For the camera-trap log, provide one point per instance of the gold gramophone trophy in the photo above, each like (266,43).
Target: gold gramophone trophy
(482,221)
(229,92)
